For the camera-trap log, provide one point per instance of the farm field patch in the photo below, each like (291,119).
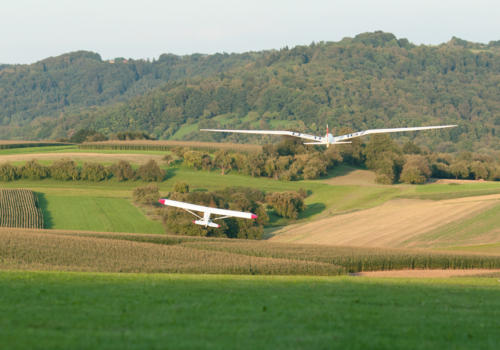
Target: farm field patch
(99,157)
(20,208)
(124,252)
(116,311)
(400,222)
(109,214)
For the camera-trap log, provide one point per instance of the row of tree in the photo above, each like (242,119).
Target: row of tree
(285,204)
(410,164)
(291,160)
(66,170)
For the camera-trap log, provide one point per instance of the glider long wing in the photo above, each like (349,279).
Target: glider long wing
(201,208)
(271,132)
(382,131)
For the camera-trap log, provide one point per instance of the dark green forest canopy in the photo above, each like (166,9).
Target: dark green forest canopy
(371,81)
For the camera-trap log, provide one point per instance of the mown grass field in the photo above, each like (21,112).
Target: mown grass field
(40,310)
(92,213)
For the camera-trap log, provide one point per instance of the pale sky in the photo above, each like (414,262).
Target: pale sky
(31,30)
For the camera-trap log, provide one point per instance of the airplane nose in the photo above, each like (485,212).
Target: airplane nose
(161,201)
(253,216)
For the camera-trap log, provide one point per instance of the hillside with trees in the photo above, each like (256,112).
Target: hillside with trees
(371,81)
(56,86)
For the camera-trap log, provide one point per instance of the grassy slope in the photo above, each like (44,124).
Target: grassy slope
(116,311)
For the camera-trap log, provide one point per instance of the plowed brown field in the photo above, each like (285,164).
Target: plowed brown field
(388,225)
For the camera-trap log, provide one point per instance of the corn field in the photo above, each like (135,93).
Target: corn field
(22,144)
(19,208)
(126,252)
(148,145)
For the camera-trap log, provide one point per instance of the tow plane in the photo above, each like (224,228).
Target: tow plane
(207,211)
(329,139)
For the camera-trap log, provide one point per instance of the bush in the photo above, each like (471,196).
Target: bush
(459,169)
(147,194)
(286,204)
(34,171)
(93,172)
(123,171)
(150,172)
(479,170)
(415,170)
(8,172)
(181,187)
(65,170)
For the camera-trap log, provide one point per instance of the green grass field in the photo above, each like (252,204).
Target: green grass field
(132,311)
(96,214)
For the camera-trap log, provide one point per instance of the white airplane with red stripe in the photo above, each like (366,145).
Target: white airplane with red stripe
(329,139)
(207,211)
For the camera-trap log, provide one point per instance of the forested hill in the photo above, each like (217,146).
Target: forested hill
(78,80)
(372,80)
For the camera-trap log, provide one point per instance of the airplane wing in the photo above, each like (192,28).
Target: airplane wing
(381,131)
(271,132)
(217,211)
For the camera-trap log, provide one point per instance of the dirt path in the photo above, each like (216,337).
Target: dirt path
(388,225)
(428,273)
(84,156)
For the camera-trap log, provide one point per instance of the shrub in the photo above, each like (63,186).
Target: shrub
(93,172)
(181,187)
(415,170)
(8,172)
(151,172)
(479,170)
(34,171)
(64,169)
(122,171)
(460,169)
(147,194)
(286,204)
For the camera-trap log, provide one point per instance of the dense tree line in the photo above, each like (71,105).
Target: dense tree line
(68,170)
(287,160)
(291,160)
(286,204)
(64,84)
(415,165)
(372,80)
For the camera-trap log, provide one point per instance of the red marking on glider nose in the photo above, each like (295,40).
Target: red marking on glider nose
(162,201)
(253,216)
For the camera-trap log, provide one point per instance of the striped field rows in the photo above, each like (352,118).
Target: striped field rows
(19,208)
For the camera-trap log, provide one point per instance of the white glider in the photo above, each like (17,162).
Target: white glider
(207,211)
(329,139)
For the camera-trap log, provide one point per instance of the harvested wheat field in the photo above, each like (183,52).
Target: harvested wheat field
(393,224)
(84,157)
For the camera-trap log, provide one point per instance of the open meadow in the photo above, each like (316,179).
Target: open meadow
(138,311)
